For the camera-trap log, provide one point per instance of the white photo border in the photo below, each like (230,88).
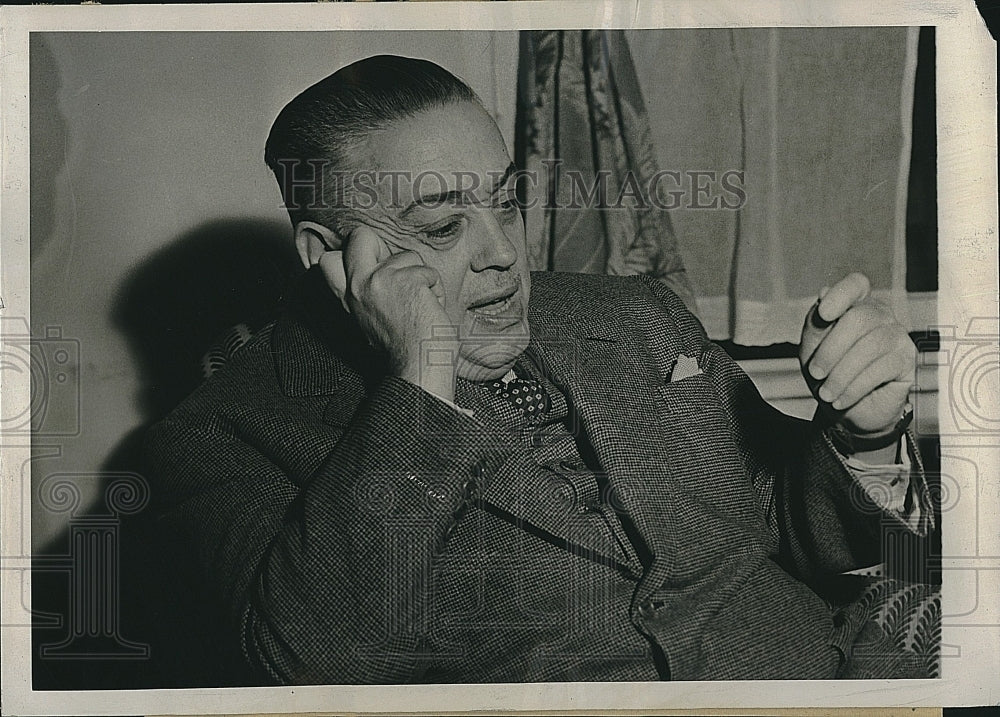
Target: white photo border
(967,212)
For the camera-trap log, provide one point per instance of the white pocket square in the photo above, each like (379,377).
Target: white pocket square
(684,368)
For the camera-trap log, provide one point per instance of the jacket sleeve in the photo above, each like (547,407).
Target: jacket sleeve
(329,581)
(825,521)
(822,519)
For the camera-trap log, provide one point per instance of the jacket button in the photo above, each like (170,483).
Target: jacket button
(470,491)
(479,470)
(646,609)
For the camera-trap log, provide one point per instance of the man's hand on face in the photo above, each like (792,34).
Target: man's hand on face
(399,303)
(857,358)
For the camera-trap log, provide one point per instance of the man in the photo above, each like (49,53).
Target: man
(437,467)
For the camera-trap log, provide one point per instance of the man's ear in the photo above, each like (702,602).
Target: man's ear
(317,244)
(312,240)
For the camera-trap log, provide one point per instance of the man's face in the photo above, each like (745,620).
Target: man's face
(451,199)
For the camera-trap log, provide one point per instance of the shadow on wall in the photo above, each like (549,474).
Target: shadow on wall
(176,305)
(128,619)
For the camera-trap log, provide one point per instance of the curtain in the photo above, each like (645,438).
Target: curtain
(781,158)
(818,121)
(583,137)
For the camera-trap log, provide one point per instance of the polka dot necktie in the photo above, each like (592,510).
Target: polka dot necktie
(525,395)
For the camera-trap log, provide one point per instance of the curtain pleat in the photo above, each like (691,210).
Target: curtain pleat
(584,138)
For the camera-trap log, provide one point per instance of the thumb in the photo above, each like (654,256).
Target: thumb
(853,289)
(814,330)
(437,288)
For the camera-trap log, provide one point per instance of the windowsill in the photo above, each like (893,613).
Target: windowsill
(780,382)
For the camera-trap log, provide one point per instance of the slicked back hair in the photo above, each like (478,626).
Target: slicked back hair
(311,140)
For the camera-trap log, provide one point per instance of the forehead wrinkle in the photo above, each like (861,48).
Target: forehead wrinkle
(379,217)
(384,226)
(461,196)
(399,141)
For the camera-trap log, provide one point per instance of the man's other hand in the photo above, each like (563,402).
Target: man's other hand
(398,302)
(857,358)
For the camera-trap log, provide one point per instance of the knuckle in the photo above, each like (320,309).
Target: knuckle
(886,337)
(819,359)
(833,386)
(900,345)
(376,282)
(872,313)
(882,313)
(852,397)
(856,317)
(908,356)
(848,395)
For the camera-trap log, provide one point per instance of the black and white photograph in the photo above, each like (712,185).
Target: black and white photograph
(516,353)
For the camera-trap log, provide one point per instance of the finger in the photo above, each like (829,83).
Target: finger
(332,266)
(362,254)
(814,329)
(879,342)
(315,251)
(402,260)
(849,291)
(881,375)
(424,275)
(842,336)
(437,288)
(388,229)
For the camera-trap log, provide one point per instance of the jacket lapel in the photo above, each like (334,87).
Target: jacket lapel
(532,496)
(611,389)
(666,445)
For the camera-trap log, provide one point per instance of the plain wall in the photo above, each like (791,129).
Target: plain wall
(144,146)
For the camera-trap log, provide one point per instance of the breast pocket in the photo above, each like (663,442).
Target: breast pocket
(702,449)
(691,401)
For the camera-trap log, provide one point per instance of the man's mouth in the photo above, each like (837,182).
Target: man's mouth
(492,308)
(496,304)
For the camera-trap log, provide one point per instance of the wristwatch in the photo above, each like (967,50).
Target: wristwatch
(850,443)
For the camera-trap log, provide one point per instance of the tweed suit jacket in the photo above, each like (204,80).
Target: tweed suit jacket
(359,530)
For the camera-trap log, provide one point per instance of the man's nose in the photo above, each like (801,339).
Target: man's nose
(495,249)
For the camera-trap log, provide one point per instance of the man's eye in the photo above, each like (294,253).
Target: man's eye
(445,231)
